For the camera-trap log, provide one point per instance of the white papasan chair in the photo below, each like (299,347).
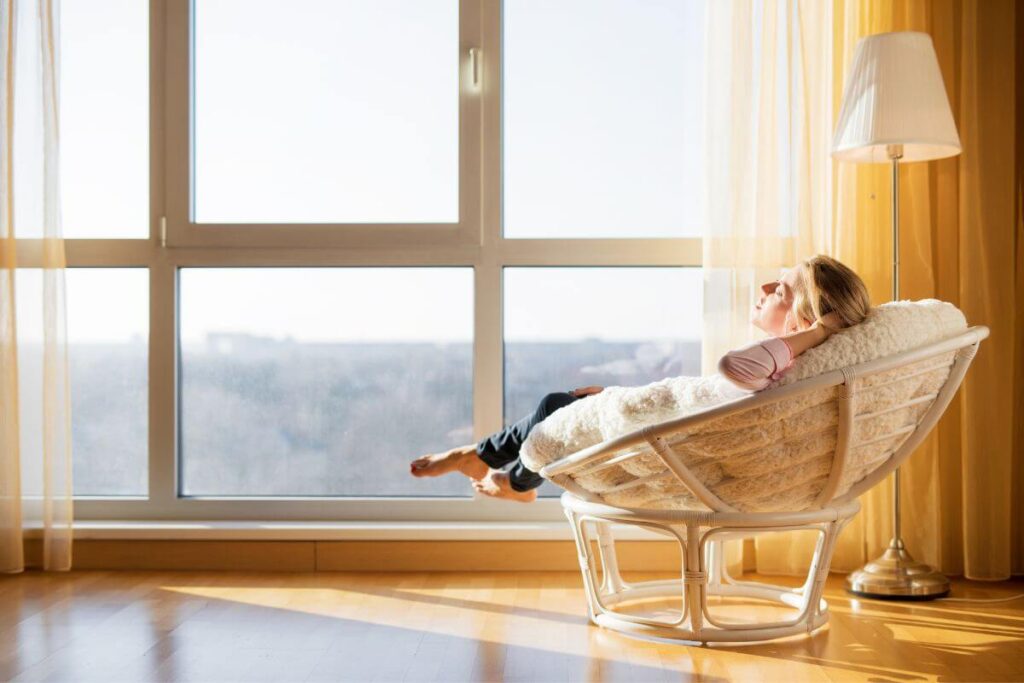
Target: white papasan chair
(685,458)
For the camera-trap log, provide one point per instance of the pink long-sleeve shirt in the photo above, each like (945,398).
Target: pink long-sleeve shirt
(755,366)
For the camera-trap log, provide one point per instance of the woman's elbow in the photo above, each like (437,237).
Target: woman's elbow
(735,373)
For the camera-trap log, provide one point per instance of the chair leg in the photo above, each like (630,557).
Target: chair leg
(715,563)
(819,573)
(611,578)
(583,556)
(694,580)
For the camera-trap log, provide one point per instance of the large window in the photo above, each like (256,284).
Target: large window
(311,241)
(326,112)
(602,118)
(323,381)
(108,350)
(622,327)
(104,118)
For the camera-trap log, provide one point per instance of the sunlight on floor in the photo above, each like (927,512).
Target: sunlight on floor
(539,618)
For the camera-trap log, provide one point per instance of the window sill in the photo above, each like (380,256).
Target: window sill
(333,531)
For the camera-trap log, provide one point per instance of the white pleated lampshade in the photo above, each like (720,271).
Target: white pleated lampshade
(895,96)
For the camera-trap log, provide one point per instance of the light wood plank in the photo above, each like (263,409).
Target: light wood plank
(456,626)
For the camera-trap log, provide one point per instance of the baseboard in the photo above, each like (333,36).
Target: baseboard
(376,556)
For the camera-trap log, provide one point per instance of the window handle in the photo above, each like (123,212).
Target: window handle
(474,65)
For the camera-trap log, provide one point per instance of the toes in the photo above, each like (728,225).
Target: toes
(419,468)
(480,488)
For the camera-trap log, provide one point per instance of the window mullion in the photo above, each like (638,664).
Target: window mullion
(488,361)
(163,432)
(488,342)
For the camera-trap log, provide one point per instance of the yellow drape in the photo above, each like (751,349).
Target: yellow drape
(35,406)
(962,240)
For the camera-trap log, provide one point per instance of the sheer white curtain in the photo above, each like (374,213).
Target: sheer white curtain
(35,419)
(769,124)
(768,168)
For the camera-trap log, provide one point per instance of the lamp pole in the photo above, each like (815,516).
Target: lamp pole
(896,574)
(895,154)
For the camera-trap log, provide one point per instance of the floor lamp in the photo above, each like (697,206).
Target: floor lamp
(895,109)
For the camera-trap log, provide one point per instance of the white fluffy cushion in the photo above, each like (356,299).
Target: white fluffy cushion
(776,456)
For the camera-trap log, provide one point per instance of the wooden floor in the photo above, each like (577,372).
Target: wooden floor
(206,626)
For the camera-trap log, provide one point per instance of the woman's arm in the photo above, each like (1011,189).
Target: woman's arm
(799,342)
(754,367)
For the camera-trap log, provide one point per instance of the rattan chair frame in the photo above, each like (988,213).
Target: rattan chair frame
(701,533)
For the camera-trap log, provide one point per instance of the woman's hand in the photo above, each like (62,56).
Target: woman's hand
(819,331)
(586,391)
(827,324)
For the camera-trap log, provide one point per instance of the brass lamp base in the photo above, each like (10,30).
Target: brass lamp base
(897,576)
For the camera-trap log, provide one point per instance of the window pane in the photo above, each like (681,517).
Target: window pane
(108,349)
(573,327)
(104,118)
(323,381)
(326,111)
(603,104)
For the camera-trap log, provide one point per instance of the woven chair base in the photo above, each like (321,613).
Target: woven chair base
(703,573)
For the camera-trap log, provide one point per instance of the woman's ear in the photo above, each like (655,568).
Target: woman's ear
(790,323)
(794,322)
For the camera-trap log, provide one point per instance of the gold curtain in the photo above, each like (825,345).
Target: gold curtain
(962,241)
(35,416)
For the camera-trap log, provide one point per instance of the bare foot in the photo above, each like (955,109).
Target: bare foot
(496,485)
(461,459)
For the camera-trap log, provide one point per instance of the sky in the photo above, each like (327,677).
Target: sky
(379,304)
(104,101)
(348,111)
(603,105)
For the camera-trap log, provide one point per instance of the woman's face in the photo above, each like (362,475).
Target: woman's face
(773,311)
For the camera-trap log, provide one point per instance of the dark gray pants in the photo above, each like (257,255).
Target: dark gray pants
(501,448)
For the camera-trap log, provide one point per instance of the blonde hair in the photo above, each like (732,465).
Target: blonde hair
(827,286)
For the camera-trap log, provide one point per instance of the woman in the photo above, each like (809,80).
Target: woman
(799,310)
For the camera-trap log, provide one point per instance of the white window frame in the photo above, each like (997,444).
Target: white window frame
(476,241)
